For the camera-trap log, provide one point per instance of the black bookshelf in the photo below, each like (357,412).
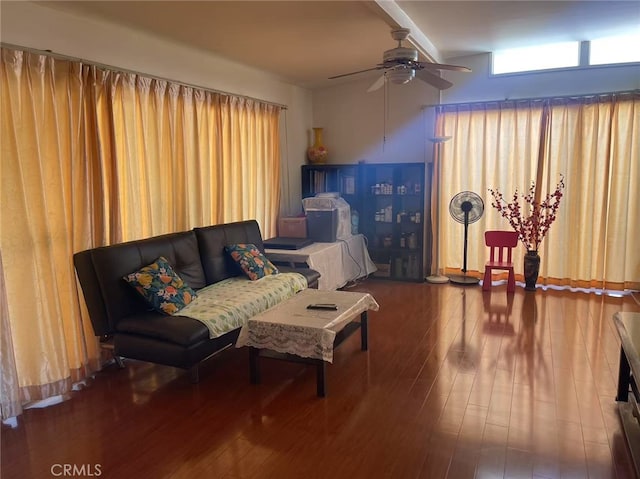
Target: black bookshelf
(389,199)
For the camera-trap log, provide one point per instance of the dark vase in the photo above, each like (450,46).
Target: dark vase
(531,270)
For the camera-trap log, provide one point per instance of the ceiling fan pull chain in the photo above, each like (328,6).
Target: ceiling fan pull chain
(385,108)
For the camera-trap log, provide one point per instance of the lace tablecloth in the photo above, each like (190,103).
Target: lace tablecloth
(291,328)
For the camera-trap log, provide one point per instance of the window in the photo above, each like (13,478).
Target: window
(540,57)
(619,49)
(601,51)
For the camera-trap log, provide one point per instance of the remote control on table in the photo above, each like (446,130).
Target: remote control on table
(332,307)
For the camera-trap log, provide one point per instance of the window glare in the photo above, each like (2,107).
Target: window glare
(620,49)
(541,57)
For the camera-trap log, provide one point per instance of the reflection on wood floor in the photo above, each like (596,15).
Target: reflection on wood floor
(457,383)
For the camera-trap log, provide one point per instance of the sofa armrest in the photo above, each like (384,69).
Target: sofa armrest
(93,298)
(311,274)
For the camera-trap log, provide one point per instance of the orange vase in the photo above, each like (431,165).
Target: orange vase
(317,153)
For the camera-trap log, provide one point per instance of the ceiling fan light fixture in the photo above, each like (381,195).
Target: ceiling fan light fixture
(401,65)
(400,76)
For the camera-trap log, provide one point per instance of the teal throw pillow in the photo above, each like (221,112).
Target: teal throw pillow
(161,286)
(254,264)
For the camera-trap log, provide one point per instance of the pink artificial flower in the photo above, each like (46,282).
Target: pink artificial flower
(531,228)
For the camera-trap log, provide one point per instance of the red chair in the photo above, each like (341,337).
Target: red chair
(501,244)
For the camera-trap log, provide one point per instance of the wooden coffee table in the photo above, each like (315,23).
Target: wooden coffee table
(292,332)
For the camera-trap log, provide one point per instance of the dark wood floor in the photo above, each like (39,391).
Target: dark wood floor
(451,387)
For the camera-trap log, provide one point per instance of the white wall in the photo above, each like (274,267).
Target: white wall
(295,123)
(39,27)
(481,86)
(358,127)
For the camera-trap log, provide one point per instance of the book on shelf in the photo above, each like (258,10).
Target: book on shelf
(317,182)
(349,185)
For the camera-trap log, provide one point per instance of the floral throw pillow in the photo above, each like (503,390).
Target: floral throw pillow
(254,264)
(161,286)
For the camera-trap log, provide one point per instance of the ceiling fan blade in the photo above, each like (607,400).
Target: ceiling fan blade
(376,85)
(433,80)
(444,66)
(354,73)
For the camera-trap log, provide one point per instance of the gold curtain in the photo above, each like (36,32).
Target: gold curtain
(244,161)
(493,144)
(593,141)
(93,157)
(187,157)
(42,188)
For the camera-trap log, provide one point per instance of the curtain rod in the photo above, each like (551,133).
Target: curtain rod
(124,70)
(555,97)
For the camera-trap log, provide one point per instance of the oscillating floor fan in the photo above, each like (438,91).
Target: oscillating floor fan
(466,207)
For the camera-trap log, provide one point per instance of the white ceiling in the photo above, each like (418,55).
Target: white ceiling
(305,42)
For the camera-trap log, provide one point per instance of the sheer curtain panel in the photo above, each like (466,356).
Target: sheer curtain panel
(492,144)
(44,191)
(90,157)
(593,141)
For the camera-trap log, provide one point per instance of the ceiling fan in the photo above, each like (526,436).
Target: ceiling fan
(401,65)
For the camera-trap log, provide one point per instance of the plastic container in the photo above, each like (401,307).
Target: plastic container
(355,220)
(328,217)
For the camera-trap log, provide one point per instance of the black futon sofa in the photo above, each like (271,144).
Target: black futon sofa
(123,320)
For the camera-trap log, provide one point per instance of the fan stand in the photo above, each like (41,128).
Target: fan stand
(463,279)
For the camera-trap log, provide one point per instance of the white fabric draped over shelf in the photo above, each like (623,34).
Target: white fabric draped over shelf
(338,263)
